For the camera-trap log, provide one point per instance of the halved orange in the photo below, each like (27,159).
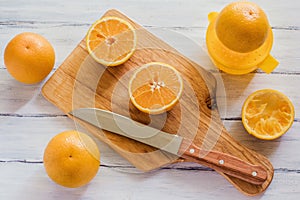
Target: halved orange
(111,41)
(155,88)
(267,114)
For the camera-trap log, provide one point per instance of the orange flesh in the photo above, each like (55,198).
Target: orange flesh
(111,40)
(268,114)
(149,96)
(155,88)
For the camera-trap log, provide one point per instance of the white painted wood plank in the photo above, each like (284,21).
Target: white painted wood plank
(282,152)
(27,99)
(29,181)
(25,138)
(64,24)
(18,98)
(154,13)
(238,88)
(64,39)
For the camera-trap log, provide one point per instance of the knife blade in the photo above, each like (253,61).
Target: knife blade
(174,144)
(124,126)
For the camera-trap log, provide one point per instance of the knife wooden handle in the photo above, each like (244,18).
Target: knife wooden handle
(223,163)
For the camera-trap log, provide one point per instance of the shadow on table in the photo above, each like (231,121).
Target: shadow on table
(266,148)
(236,84)
(17,94)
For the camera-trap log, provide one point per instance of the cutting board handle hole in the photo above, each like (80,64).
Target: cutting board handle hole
(211,103)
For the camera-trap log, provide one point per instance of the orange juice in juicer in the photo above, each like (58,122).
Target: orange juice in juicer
(239,39)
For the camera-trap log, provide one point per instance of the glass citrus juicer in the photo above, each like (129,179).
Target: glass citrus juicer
(239,39)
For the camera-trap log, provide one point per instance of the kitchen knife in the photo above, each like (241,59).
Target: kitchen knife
(174,144)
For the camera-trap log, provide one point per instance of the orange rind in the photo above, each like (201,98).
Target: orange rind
(111,41)
(155,88)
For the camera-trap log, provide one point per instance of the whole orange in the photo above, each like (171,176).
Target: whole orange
(242,26)
(29,57)
(71,159)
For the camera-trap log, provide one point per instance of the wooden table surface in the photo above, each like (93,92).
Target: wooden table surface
(28,121)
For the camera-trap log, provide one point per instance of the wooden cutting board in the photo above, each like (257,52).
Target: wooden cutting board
(81,82)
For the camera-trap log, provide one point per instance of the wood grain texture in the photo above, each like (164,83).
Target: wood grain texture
(223,163)
(27,99)
(89,11)
(284,38)
(28,121)
(36,130)
(81,82)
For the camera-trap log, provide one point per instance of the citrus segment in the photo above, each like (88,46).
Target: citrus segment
(111,41)
(155,88)
(71,159)
(267,114)
(29,57)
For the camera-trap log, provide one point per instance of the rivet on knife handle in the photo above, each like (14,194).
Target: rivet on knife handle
(224,163)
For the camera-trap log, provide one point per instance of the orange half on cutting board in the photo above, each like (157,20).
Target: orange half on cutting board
(111,41)
(155,88)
